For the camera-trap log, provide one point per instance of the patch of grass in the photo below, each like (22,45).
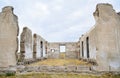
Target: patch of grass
(60,62)
(7,75)
(65,75)
(110,75)
(43,75)
(62,55)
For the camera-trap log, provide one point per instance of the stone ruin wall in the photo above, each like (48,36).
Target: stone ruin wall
(26,44)
(31,46)
(39,47)
(9,31)
(104,39)
(71,49)
(53,50)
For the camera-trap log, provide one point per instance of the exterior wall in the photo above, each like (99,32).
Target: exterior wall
(104,39)
(78,49)
(26,44)
(71,50)
(93,43)
(54,49)
(39,50)
(83,48)
(8,37)
(108,26)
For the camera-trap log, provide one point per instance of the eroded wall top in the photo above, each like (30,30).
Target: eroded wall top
(9,31)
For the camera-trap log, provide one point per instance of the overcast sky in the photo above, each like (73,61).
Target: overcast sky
(57,20)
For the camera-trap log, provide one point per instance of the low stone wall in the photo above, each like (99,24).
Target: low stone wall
(54,69)
(30,61)
(8,70)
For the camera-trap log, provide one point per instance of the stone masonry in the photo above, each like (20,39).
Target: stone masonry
(39,47)
(26,47)
(8,37)
(71,49)
(102,42)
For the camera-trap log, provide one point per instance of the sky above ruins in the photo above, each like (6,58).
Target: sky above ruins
(57,20)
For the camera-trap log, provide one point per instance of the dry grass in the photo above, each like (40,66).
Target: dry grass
(60,62)
(62,55)
(66,75)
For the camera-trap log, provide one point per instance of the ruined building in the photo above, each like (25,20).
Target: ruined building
(101,44)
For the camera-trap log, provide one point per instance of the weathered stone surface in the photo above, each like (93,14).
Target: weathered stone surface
(8,37)
(83,69)
(45,68)
(53,50)
(104,39)
(26,47)
(71,68)
(39,46)
(108,39)
(71,49)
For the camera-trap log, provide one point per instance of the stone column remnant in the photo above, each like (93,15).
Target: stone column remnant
(39,46)
(34,46)
(9,31)
(26,44)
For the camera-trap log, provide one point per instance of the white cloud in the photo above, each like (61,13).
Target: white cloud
(39,10)
(57,5)
(75,15)
(57,8)
(57,20)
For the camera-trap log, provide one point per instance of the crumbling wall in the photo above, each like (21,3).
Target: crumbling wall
(71,50)
(8,37)
(104,39)
(39,47)
(93,43)
(83,51)
(78,49)
(64,69)
(107,25)
(26,47)
(54,49)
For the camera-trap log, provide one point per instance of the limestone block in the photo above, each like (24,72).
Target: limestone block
(8,37)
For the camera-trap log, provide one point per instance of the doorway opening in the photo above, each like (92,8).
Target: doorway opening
(87,47)
(82,49)
(62,51)
(41,47)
